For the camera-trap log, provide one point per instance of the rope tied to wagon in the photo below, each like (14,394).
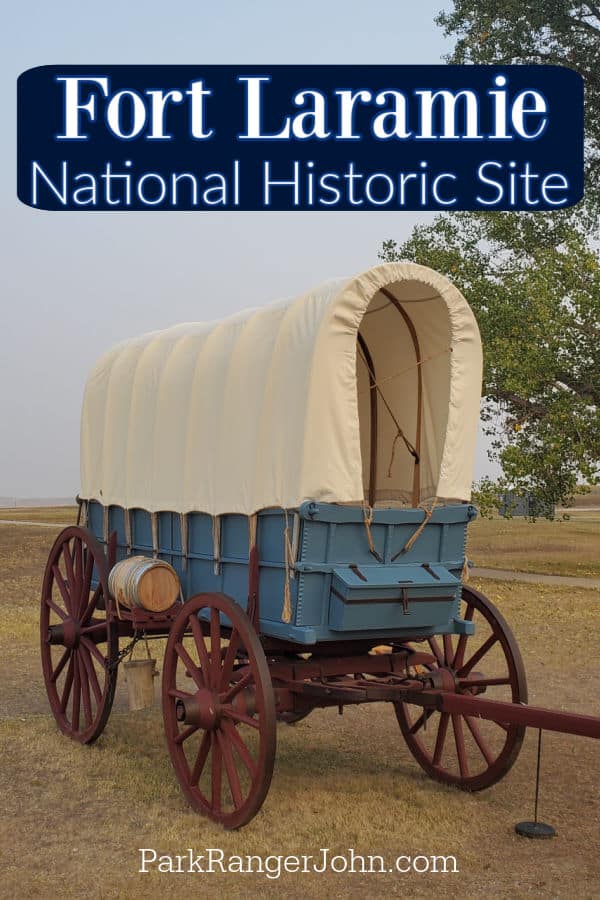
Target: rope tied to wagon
(82,511)
(216,539)
(419,531)
(379,381)
(128,538)
(154,526)
(399,432)
(465,574)
(183,527)
(286,612)
(367,519)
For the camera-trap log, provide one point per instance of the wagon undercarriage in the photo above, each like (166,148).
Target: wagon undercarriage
(460,700)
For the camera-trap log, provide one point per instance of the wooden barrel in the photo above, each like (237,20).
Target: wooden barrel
(145,582)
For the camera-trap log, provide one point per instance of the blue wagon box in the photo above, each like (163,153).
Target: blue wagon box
(337,587)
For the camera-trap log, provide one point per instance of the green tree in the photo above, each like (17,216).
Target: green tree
(559,32)
(534,285)
(533,280)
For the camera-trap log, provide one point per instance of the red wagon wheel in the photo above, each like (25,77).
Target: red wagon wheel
(79,644)
(219,710)
(462,750)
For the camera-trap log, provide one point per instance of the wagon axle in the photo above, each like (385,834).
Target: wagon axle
(70,632)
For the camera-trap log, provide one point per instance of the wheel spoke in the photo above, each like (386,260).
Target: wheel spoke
(78,557)
(459,740)
(91,605)
(440,738)
(435,649)
(240,717)
(479,740)
(94,651)
(190,665)
(230,657)
(85,693)
(201,648)
(448,650)
(201,757)
(244,681)
(76,694)
(71,577)
(422,720)
(239,744)
(459,656)
(232,773)
(96,627)
(186,733)
(216,773)
(60,583)
(53,606)
(91,672)
(87,582)
(179,694)
(67,686)
(60,665)
(215,647)
(482,682)
(477,656)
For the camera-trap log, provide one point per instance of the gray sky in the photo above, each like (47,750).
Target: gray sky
(73,284)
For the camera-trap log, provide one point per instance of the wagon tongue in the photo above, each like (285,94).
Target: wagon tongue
(512,713)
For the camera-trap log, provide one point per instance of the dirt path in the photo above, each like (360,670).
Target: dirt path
(534,578)
(40,524)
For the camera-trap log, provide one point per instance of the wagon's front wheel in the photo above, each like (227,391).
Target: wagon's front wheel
(469,752)
(219,710)
(79,642)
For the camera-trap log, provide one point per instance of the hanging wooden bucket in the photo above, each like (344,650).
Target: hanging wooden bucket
(139,675)
(145,582)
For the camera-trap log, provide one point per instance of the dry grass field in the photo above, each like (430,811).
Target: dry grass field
(63,515)
(73,817)
(563,547)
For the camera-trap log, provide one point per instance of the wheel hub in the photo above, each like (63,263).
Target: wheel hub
(67,634)
(202,710)
(442,679)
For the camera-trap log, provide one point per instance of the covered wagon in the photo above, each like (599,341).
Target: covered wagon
(303,471)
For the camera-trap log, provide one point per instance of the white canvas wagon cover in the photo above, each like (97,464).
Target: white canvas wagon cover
(364,389)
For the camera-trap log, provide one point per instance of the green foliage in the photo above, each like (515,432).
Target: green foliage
(485,497)
(533,280)
(536,31)
(534,285)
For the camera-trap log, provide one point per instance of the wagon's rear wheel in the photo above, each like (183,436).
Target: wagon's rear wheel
(79,644)
(219,710)
(462,750)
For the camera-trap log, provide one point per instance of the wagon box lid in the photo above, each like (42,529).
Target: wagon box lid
(274,406)
(353,584)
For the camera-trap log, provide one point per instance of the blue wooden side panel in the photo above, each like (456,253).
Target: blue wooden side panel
(328,536)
